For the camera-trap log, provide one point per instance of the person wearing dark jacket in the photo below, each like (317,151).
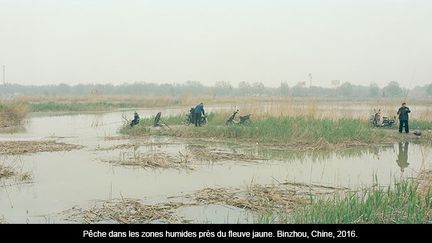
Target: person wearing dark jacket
(136,119)
(403,117)
(198,113)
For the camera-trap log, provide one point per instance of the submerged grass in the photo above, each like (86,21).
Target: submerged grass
(7,172)
(154,160)
(403,202)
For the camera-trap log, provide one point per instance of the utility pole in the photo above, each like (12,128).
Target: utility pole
(4,75)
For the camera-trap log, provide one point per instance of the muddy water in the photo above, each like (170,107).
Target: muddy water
(62,180)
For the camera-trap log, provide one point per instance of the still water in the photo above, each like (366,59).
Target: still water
(62,180)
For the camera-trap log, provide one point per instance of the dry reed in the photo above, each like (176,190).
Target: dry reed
(23,147)
(125,211)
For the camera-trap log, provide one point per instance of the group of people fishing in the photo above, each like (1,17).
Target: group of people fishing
(198,118)
(402,113)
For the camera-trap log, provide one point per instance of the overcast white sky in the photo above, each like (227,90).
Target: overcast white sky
(116,41)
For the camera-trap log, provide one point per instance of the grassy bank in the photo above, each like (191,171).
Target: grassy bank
(12,113)
(407,201)
(279,130)
(402,203)
(421,125)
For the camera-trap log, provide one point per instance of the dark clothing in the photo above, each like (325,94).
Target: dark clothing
(231,118)
(135,121)
(199,109)
(403,113)
(402,160)
(403,118)
(403,123)
(197,113)
(197,119)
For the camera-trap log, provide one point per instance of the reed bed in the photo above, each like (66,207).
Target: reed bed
(183,159)
(24,147)
(206,154)
(284,196)
(8,172)
(264,106)
(118,146)
(258,198)
(12,112)
(125,211)
(154,160)
(303,132)
(404,202)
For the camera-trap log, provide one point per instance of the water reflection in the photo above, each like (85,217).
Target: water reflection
(402,159)
(320,155)
(62,180)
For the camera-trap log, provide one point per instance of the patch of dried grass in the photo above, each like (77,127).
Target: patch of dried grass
(284,196)
(156,160)
(7,172)
(12,112)
(126,211)
(119,146)
(203,153)
(23,147)
(133,145)
(113,138)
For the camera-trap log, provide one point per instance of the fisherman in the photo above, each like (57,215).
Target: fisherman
(191,116)
(403,117)
(136,119)
(377,118)
(198,113)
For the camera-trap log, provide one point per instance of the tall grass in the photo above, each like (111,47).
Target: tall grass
(419,124)
(401,203)
(283,130)
(12,112)
(265,106)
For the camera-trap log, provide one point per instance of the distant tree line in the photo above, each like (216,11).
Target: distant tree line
(221,88)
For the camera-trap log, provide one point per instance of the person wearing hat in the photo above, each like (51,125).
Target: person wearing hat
(403,117)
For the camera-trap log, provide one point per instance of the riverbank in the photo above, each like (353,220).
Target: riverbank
(290,132)
(12,113)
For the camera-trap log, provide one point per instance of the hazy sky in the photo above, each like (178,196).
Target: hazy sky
(116,41)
